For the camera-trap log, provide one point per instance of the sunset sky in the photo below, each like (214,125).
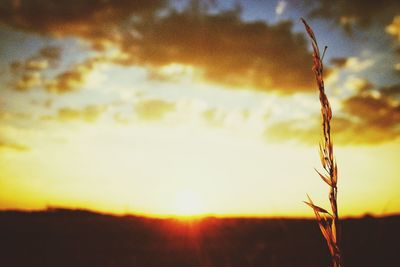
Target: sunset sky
(196,107)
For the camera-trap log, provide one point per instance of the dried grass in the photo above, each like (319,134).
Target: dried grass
(328,221)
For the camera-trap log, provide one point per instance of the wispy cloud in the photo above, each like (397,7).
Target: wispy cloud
(7,145)
(86,114)
(353,64)
(74,77)
(28,73)
(153,109)
(280,7)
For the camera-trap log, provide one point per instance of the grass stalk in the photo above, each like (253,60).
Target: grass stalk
(328,221)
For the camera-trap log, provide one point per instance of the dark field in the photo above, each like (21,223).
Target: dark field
(60,238)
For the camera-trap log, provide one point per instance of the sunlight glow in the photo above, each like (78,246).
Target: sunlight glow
(177,69)
(188,204)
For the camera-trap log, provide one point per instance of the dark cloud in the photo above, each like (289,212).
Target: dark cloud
(339,62)
(373,115)
(359,13)
(16,67)
(360,133)
(153,109)
(98,20)
(227,50)
(373,111)
(223,47)
(391,91)
(370,119)
(52,53)
(366,118)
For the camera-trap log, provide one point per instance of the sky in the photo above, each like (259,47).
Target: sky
(167,108)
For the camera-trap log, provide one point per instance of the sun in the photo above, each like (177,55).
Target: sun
(188,204)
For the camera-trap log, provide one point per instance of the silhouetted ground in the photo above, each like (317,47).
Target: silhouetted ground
(59,237)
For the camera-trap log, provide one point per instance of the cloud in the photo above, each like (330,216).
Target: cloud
(353,64)
(228,50)
(73,78)
(28,73)
(45,103)
(41,60)
(391,91)
(6,145)
(221,46)
(339,62)
(394,28)
(292,130)
(88,114)
(371,116)
(375,108)
(363,132)
(33,72)
(36,64)
(122,118)
(28,80)
(51,53)
(280,7)
(215,117)
(357,84)
(180,112)
(357,65)
(237,119)
(374,111)
(153,109)
(10,116)
(172,72)
(357,13)
(344,131)
(97,20)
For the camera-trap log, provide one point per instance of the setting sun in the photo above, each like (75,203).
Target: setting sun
(166,133)
(188,204)
(187,108)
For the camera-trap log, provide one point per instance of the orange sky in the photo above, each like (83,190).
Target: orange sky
(196,107)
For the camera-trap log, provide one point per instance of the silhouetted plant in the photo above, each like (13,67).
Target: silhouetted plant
(328,221)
